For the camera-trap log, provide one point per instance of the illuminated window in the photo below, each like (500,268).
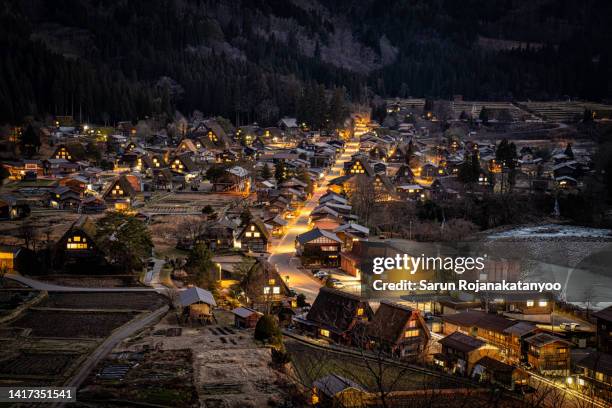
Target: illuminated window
(252,228)
(271,281)
(360,311)
(542,303)
(412,323)
(411,333)
(256,234)
(325,332)
(599,376)
(266,290)
(327,248)
(248,234)
(276,290)
(530,303)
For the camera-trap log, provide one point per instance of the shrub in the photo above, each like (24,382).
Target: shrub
(267,329)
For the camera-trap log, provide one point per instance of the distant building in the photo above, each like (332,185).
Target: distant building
(8,257)
(604,329)
(336,391)
(245,318)
(398,329)
(319,247)
(334,315)
(197,304)
(548,354)
(461,352)
(596,375)
(254,236)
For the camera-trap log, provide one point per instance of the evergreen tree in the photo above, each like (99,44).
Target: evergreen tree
(279,172)
(30,141)
(201,267)
(265,172)
(338,111)
(569,152)
(484,115)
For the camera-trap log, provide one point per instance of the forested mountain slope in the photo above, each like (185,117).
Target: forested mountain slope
(250,59)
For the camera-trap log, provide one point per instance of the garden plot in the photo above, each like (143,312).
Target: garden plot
(27,363)
(104,300)
(229,368)
(160,377)
(89,281)
(71,324)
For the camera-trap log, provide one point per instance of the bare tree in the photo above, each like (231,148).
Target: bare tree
(189,229)
(29,234)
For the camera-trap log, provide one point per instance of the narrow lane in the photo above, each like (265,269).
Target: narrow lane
(283,250)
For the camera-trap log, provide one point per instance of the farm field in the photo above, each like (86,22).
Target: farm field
(27,363)
(154,377)
(89,281)
(71,324)
(104,300)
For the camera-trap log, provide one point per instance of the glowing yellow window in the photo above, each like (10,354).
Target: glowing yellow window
(530,303)
(542,303)
(271,281)
(248,234)
(360,311)
(324,332)
(411,333)
(77,239)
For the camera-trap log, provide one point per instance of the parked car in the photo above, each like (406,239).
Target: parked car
(570,326)
(335,283)
(321,275)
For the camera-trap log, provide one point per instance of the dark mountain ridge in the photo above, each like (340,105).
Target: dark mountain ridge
(250,59)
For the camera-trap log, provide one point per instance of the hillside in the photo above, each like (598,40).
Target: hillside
(250,59)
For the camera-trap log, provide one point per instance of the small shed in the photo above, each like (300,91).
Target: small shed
(197,304)
(245,318)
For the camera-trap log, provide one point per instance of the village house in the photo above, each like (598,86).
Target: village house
(548,354)
(505,334)
(162,179)
(398,330)
(72,152)
(13,208)
(183,166)
(122,192)
(64,198)
(197,305)
(78,248)
(495,372)
(318,247)
(277,225)
(595,376)
(461,352)
(234,179)
(336,391)
(254,236)
(9,255)
(92,205)
(266,290)
(334,315)
(604,329)
(533,306)
(217,235)
(245,318)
